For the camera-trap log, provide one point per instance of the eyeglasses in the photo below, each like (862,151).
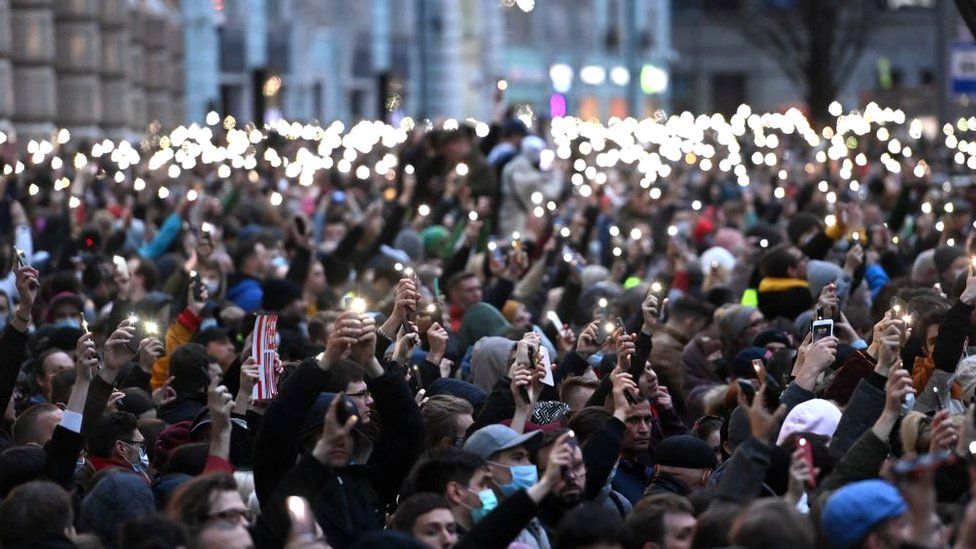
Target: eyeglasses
(231,515)
(361,394)
(141,444)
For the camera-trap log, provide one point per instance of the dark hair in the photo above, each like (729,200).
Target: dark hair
(689,307)
(440,418)
(588,421)
(25,427)
(589,525)
(646,523)
(151,532)
(61,386)
(341,374)
(109,429)
(712,529)
(20,464)
(800,223)
(149,273)
(189,365)
(188,458)
(776,262)
(458,278)
(243,251)
(413,507)
(443,466)
(190,504)
(37,510)
(772,523)
(706,425)
(575,384)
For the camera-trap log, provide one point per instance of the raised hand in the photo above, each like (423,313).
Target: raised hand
(625,348)
(118,349)
(623,389)
(363,349)
(219,404)
(345,333)
(587,344)
(649,312)
(762,424)
(945,432)
(150,349)
(334,446)
(165,394)
(437,338)
(86,358)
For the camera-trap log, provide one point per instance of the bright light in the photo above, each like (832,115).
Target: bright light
(835,109)
(620,76)
(653,79)
(593,75)
(213,118)
(561,76)
(525,5)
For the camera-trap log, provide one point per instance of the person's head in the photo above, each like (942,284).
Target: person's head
(65,310)
(569,489)
(686,458)
(211,501)
(355,388)
(709,429)
(144,276)
(462,478)
(513,131)
(48,365)
(116,437)
(35,512)
(464,289)
(151,532)
(518,315)
(592,527)
(507,455)
(320,326)
(36,424)
(137,402)
(647,383)
(802,226)
(5,309)
(950,263)
(662,521)
(689,315)
(428,519)
(576,392)
(315,282)
(447,419)
(867,513)
(738,325)
(189,365)
(772,523)
(251,258)
(217,345)
(783,262)
(637,434)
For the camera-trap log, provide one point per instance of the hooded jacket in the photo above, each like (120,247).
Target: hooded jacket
(784,297)
(489,361)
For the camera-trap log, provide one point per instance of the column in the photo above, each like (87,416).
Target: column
(6,70)
(114,65)
(201,47)
(177,82)
(35,85)
(79,52)
(155,26)
(136,71)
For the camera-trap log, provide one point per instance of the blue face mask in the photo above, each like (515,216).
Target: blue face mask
(68,323)
(523,477)
(488,504)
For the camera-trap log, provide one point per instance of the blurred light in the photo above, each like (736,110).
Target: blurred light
(593,75)
(557,105)
(620,76)
(653,79)
(561,76)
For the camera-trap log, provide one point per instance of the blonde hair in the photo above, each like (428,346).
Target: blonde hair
(440,413)
(915,433)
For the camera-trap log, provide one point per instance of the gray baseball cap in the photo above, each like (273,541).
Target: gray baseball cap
(490,440)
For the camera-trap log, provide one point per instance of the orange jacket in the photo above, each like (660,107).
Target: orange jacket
(178,334)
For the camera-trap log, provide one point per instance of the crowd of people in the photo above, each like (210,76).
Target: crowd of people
(671,333)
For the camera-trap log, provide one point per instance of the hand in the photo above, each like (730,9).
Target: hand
(437,339)
(649,311)
(821,353)
(405,301)
(118,349)
(566,341)
(334,436)
(523,379)
(471,231)
(625,349)
(622,384)
(150,349)
(899,386)
(446,367)
(164,394)
(969,294)
(662,398)
(828,300)
(405,343)
(854,259)
(365,345)
(801,476)
(560,459)
(113,399)
(344,334)
(249,376)
(945,432)
(86,358)
(192,303)
(893,335)
(762,424)
(220,403)
(27,286)
(587,344)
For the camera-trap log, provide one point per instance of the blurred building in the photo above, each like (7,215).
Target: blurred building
(95,67)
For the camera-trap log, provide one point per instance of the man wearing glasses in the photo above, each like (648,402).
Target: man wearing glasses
(116,442)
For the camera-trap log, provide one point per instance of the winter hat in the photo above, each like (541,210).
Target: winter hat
(434,239)
(821,273)
(742,362)
(170,439)
(772,336)
(944,257)
(136,401)
(459,388)
(817,416)
(702,229)
(923,270)
(60,299)
(278,293)
(593,274)
(853,510)
(732,321)
(410,242)
(480,320)
(685,451)
(489,361)
(117,498)
(720,256)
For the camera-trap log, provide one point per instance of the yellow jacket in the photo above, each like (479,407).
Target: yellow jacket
(178,334)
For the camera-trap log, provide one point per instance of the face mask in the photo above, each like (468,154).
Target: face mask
(208,323)
(68,323)
(212,286)
(523,477)
(141,466)
(488,504)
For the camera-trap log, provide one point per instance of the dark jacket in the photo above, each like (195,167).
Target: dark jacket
(13,349)
(349,501)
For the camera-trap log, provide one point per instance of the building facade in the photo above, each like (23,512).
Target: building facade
(94,67)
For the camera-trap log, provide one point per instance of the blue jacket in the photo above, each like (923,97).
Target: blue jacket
(246,294)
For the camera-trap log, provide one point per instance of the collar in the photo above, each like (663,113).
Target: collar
(770,284)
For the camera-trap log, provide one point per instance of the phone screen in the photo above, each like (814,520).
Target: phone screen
(822,329)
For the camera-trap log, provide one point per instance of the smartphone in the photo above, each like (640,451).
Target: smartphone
(299,224)
(302,519)
(822,328)
(137,334)
(197,284)
(806,448)
(747,389)
(21,258)
(121,265)
(557,323)
(416,374)
(345,410)
(760,369)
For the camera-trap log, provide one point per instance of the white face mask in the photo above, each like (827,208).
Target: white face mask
(212,285)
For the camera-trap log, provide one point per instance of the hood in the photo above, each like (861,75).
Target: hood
(481,320)
(362,446)
(489,361)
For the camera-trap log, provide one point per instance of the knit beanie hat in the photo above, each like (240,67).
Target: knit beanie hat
(821,273)
(685,451)
(853,510)
(732,321)
(817,416)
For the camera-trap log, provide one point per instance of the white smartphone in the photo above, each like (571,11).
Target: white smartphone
(822,328)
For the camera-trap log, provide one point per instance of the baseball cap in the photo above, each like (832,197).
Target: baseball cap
(490,440)
(853,510)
